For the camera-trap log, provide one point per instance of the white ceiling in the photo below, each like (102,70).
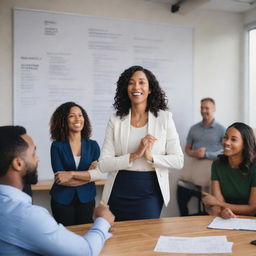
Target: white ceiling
(229,5)
(221,5)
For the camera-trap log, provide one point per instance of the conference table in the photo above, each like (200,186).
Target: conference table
(138,238)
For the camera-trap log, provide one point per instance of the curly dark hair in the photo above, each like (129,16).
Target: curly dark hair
(59,126)
(249,150)
(156,99)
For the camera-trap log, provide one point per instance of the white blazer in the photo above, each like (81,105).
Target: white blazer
(166,151)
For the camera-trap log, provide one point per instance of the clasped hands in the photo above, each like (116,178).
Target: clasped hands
(144,149)
(199,153)
(62,177)
(216,207)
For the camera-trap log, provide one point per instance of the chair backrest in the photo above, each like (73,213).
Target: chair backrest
(196,171)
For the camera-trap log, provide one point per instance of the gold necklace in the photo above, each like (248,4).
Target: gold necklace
(140,122)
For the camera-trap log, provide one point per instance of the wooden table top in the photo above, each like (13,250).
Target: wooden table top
(138,238)
(47,184)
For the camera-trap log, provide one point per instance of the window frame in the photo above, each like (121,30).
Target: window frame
(247,87)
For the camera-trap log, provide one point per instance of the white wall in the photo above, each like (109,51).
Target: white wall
(217,52)
(217,46)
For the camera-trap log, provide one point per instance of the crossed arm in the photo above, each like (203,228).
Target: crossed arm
(74,178)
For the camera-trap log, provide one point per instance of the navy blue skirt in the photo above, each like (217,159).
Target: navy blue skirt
(136,195)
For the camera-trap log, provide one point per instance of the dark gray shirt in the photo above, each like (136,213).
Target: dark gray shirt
(209,137)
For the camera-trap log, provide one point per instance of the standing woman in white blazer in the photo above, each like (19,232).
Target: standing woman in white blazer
(141,145)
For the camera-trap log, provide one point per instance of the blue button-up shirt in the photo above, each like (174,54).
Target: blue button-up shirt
(209,137)
(27,229)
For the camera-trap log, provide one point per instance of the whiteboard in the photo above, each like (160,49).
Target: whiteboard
(61,57)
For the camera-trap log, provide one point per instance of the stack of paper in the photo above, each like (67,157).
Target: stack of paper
(233,223)
(194,245)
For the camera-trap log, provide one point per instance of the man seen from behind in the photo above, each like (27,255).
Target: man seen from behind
(28,229)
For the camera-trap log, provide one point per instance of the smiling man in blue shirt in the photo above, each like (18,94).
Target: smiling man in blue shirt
(28,229)
(203,142)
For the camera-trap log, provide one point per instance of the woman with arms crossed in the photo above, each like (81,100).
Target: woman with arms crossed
(74,157)
(141,145)
(234,175)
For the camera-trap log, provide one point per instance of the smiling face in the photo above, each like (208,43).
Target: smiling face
(75,120)
(138,88)
(207,110)
(233,143)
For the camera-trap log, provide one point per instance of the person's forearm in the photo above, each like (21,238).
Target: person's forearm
(133,157)
(213,210)
(58,240)
(74,183)
(81,175)
(97,235)
(239,209)
(114,163)
(175,161)
(189,151)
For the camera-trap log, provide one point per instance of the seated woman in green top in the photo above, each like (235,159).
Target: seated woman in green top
(234,175)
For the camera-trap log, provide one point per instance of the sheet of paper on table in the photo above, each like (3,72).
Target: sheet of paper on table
(233,224)
(194,245)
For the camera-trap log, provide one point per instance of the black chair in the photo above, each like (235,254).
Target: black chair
(185,191)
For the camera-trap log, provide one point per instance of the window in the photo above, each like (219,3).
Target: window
(251,77)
